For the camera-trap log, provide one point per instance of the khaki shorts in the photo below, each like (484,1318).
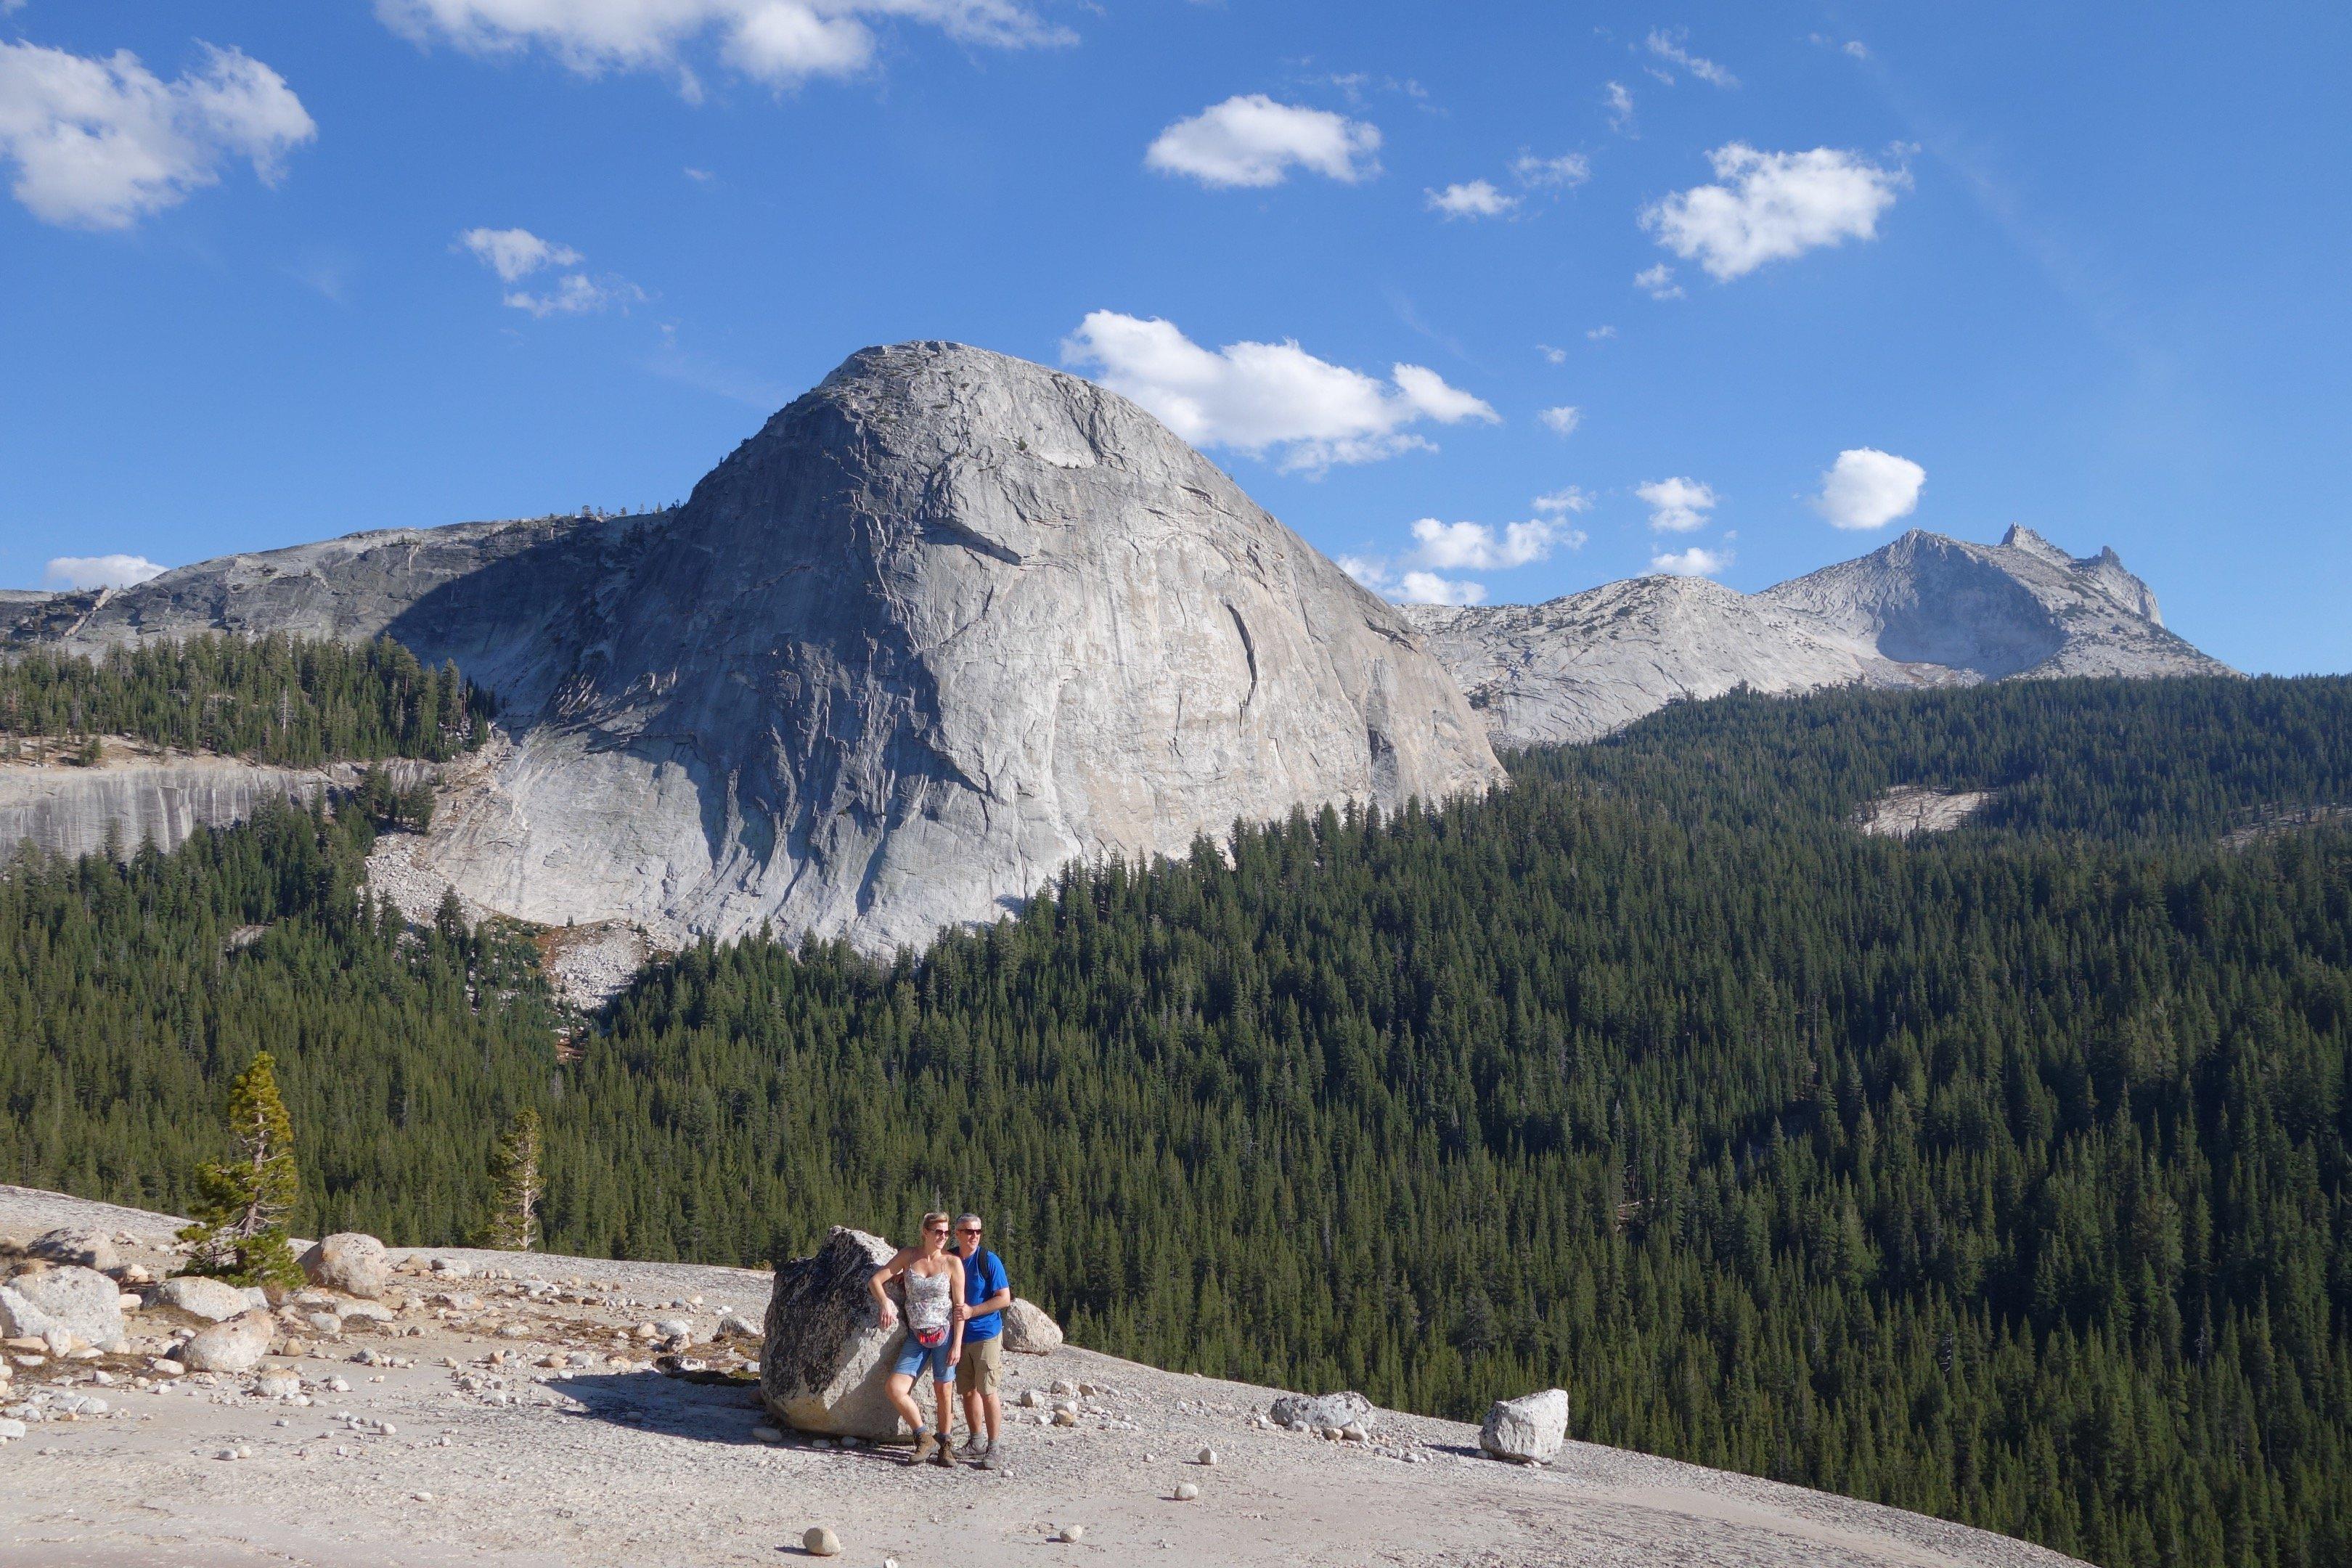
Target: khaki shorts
(981,1367)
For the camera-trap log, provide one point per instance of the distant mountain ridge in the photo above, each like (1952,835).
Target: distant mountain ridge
(1923,610)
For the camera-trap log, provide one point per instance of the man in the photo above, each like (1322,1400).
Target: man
(986,1293)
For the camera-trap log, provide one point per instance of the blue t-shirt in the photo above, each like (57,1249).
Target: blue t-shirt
(984,1276)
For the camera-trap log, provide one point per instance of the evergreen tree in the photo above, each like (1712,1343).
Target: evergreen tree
(516,1187)
(240,1229)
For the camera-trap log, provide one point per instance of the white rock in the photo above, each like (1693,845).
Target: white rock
(1528,1430)
(1208,1457)
(11,1428)
(819,1540)
(351,1262)
(232,1346)
(70,1303)
(1073,1533)
(215,1300)
(1186,1491)
(1028,1328)
(75,1244)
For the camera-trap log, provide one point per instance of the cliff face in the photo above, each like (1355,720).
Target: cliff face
(950,621)
(1924,610)
(75,811)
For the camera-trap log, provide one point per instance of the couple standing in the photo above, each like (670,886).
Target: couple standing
(955,1325)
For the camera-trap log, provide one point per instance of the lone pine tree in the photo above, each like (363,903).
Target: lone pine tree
(242,1202)
(517,1187)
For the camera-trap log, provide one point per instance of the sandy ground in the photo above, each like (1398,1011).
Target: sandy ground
(510,1463)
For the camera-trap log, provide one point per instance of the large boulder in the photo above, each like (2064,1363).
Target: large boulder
(1028,1328)
(351,1262)
(1339,1411)
(233,1346)
(215,1300)
(827,1356)
(71,1300)
(1528,1430)
(78,1245)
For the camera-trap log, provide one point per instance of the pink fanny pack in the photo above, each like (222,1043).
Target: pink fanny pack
(928,1338)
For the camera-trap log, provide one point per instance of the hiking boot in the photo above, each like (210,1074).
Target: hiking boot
(927,1443)
(974,1447)
(945,1458)
(988,1459)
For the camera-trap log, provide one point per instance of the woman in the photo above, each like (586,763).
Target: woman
(933,1283)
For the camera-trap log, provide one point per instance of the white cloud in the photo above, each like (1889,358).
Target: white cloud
(777,42)
(100,143)
(1695,561)
(1617,102)
(1553,355)
(1773,205)
(1669,46)
(99,571)
(1567,169)
(1869,489)
(515,254)
(1600,333)
(1658,282)
(1257,397)
(700,177)
(1678,505)
(1250,140)
(1567,499)
(1474,546)
(1478,198)
(1562,420)
(1413,587)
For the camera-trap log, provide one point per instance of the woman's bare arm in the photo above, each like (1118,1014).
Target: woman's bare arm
(881,1278)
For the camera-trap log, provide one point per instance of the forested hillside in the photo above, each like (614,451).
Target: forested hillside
(2005,1174)
(275,699)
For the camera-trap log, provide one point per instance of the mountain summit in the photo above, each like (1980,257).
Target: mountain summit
(1924,610)
(945,624)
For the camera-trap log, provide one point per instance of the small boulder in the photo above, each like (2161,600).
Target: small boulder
(1028,1328)
(70,1301)
(1528,1430)
(71,1244)
(215,1300)
(233,1346)
(355,1264)
(1329,1413)
(821,1541)
(825,1364)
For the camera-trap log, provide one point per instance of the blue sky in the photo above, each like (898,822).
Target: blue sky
(2080,268)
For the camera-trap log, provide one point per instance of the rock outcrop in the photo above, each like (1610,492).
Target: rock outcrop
(1924,610)
(1030,1329)
(136,799)
(75,1304)
(1316,1413)
(948,623)
(235,1345)
(78,1245)
(1528,1430)
(200,1296)
(825,1359)
(351,1262)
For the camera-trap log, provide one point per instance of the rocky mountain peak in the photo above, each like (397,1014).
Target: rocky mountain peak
(1923,609)
(944,623)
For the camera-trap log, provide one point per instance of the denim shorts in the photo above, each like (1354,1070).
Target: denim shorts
(913,1354)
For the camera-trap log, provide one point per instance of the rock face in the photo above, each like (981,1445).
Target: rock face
(1029,1329)
(351,1262)
(132,801)
(947,622)
(1923,611)
(233,1346)
(1528,1430)
(825,1359)
(77,1302)
(215,1300)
